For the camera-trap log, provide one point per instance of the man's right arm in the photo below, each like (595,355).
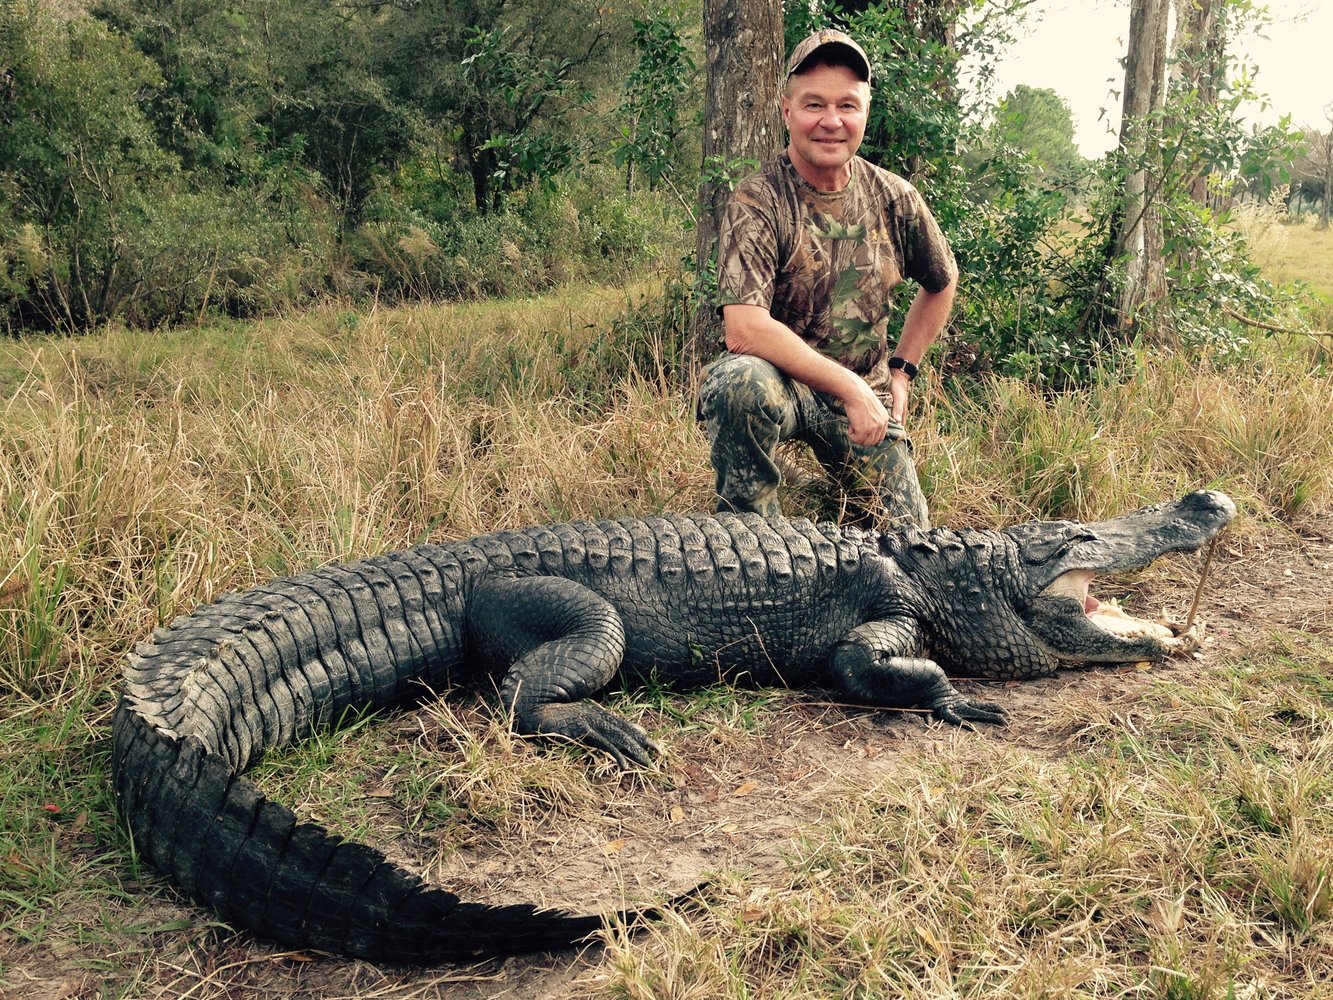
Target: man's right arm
(752,330)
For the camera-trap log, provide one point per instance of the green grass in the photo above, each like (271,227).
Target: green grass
(142,473)
(1295,254)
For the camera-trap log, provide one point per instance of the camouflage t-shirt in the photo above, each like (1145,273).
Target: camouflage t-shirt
(826,263)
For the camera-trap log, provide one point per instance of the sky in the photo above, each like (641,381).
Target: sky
(1074,47)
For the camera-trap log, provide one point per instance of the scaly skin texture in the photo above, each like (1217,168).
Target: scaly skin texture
(557,612)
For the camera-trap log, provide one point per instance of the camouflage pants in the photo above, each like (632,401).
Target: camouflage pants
(749,407)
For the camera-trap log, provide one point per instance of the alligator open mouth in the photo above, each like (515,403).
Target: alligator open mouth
(1107,615)
(1062,559)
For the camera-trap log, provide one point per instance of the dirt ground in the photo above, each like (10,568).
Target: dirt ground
(727,799)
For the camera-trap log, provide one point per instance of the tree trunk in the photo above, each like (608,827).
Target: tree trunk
(1328,171)
(1198,53)
(742,121)
(1139,238)
(1328,182)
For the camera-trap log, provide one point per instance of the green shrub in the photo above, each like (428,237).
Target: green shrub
(78,165)
(100,222)
(542,238)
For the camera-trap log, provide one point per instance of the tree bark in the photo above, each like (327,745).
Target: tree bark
(1198,53)
(742,121)
(1139,238)
(1200,46)
(1328,179)
(1326,151)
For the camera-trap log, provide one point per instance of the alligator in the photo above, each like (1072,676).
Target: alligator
(551,615)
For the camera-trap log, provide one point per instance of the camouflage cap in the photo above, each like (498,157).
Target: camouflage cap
(829,36)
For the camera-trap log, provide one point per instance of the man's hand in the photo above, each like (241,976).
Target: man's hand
(867,420)
(751,330)
(900,387)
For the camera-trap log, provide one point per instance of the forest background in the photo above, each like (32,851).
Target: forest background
(162,164)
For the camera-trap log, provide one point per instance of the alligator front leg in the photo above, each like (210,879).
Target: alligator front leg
(878,663)
(562,643)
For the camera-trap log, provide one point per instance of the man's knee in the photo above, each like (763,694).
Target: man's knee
(739,386)
(882,484)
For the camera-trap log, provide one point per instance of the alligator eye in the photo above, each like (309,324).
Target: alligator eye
(1074,539)
(1040,544)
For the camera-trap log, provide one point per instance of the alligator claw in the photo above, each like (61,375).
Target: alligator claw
(596,728)
(962,711)
(624,745)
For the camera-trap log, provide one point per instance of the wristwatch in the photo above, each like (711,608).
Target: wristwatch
(907,367)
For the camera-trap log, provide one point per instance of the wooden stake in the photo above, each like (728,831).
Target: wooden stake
(1198,591)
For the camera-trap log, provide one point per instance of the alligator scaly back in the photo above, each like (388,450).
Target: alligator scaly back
(256,671)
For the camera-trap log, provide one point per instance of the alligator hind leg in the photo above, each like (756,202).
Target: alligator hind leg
(876,663)
(562,643)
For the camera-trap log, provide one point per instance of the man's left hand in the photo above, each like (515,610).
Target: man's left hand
(899,391)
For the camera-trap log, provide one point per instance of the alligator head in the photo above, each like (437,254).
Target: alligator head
(1016,602)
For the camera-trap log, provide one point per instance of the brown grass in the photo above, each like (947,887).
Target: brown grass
(1298,251)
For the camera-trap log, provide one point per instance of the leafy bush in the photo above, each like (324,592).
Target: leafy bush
(216,248)
(98,220)
(570,232)
(650,127)
(80,164)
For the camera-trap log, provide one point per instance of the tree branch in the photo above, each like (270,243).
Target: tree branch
(1272,328)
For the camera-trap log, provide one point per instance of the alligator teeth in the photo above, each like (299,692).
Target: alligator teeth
(1110,617)
(1185,641)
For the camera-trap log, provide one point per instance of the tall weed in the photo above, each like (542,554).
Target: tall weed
(1007,451)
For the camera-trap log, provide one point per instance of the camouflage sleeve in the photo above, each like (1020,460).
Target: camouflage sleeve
(927,257)
(746,251)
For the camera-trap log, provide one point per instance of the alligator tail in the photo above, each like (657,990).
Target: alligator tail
(258,670)
(251,861)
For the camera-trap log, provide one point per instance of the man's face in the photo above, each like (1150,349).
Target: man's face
(825,110)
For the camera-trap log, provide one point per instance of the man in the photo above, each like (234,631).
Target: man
(809,252)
